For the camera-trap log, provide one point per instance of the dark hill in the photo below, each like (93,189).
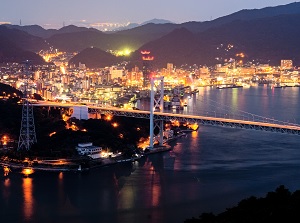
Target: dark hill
(266,40)
(176,47)
(22,39)
(6,90)
(9,52)
(267,34)
(269,39)
(39,31)
(278,206)
(94,58)
(81,40)
(246,15)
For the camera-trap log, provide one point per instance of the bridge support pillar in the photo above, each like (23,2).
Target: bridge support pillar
(156,102)
(80,112)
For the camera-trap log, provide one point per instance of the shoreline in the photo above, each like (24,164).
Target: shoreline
(73,166)
(77,167)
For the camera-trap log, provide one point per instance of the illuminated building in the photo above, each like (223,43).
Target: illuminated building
(147,59)
(116,72)
(286,64)
(89,150)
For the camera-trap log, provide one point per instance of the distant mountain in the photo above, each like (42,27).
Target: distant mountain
(80,40)
(34,30)
(38,31)
(22,39)
(18,46)
(267,34)
(267,40)
(156,21)
(195,26)
(93,58)
(134,25)
(244,15)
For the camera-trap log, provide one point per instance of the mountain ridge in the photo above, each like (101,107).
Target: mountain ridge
(261,34)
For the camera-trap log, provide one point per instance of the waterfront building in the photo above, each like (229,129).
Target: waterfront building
(87,149)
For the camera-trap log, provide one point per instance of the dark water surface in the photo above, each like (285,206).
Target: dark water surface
(207,171)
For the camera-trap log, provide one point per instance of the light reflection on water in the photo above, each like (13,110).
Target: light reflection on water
(28,206)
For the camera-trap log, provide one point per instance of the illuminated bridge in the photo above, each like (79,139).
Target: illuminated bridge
(204,120)
(251,122)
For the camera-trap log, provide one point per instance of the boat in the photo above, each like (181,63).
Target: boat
(229,86)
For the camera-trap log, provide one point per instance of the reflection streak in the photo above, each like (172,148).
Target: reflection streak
(28,197)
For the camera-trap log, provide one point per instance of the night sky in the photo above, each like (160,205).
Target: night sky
(55,13)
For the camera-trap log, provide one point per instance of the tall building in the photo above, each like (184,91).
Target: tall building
(147,67)
(170,68)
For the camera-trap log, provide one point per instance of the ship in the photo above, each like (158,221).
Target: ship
(229,86)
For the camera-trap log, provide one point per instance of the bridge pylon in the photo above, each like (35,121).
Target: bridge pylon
(156,102)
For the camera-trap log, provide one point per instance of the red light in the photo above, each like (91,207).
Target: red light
(145,52)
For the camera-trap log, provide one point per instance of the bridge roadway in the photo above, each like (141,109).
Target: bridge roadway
(204,120)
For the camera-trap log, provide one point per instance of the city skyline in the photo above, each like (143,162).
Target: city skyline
(55,14)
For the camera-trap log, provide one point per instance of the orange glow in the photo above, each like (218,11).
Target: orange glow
(193,126)
(148,58)
(27,171)
(61,176)
(6,170)
(115,124)
(194,135)
(176,123)
(143,142)
(5,140)
(74,127)
(108,117)
(28,198)
(52,133)
(242,55)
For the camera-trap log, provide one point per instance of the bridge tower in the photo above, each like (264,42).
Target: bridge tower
(156,102)
(27,132)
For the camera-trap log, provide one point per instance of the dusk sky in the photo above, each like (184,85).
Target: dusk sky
(55,13)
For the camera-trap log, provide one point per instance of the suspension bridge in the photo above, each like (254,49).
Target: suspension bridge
(218,115)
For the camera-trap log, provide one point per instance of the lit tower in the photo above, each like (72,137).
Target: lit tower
(147,58)
(27,132)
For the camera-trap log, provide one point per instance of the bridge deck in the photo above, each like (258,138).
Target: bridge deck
(294,129)
(205,120)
